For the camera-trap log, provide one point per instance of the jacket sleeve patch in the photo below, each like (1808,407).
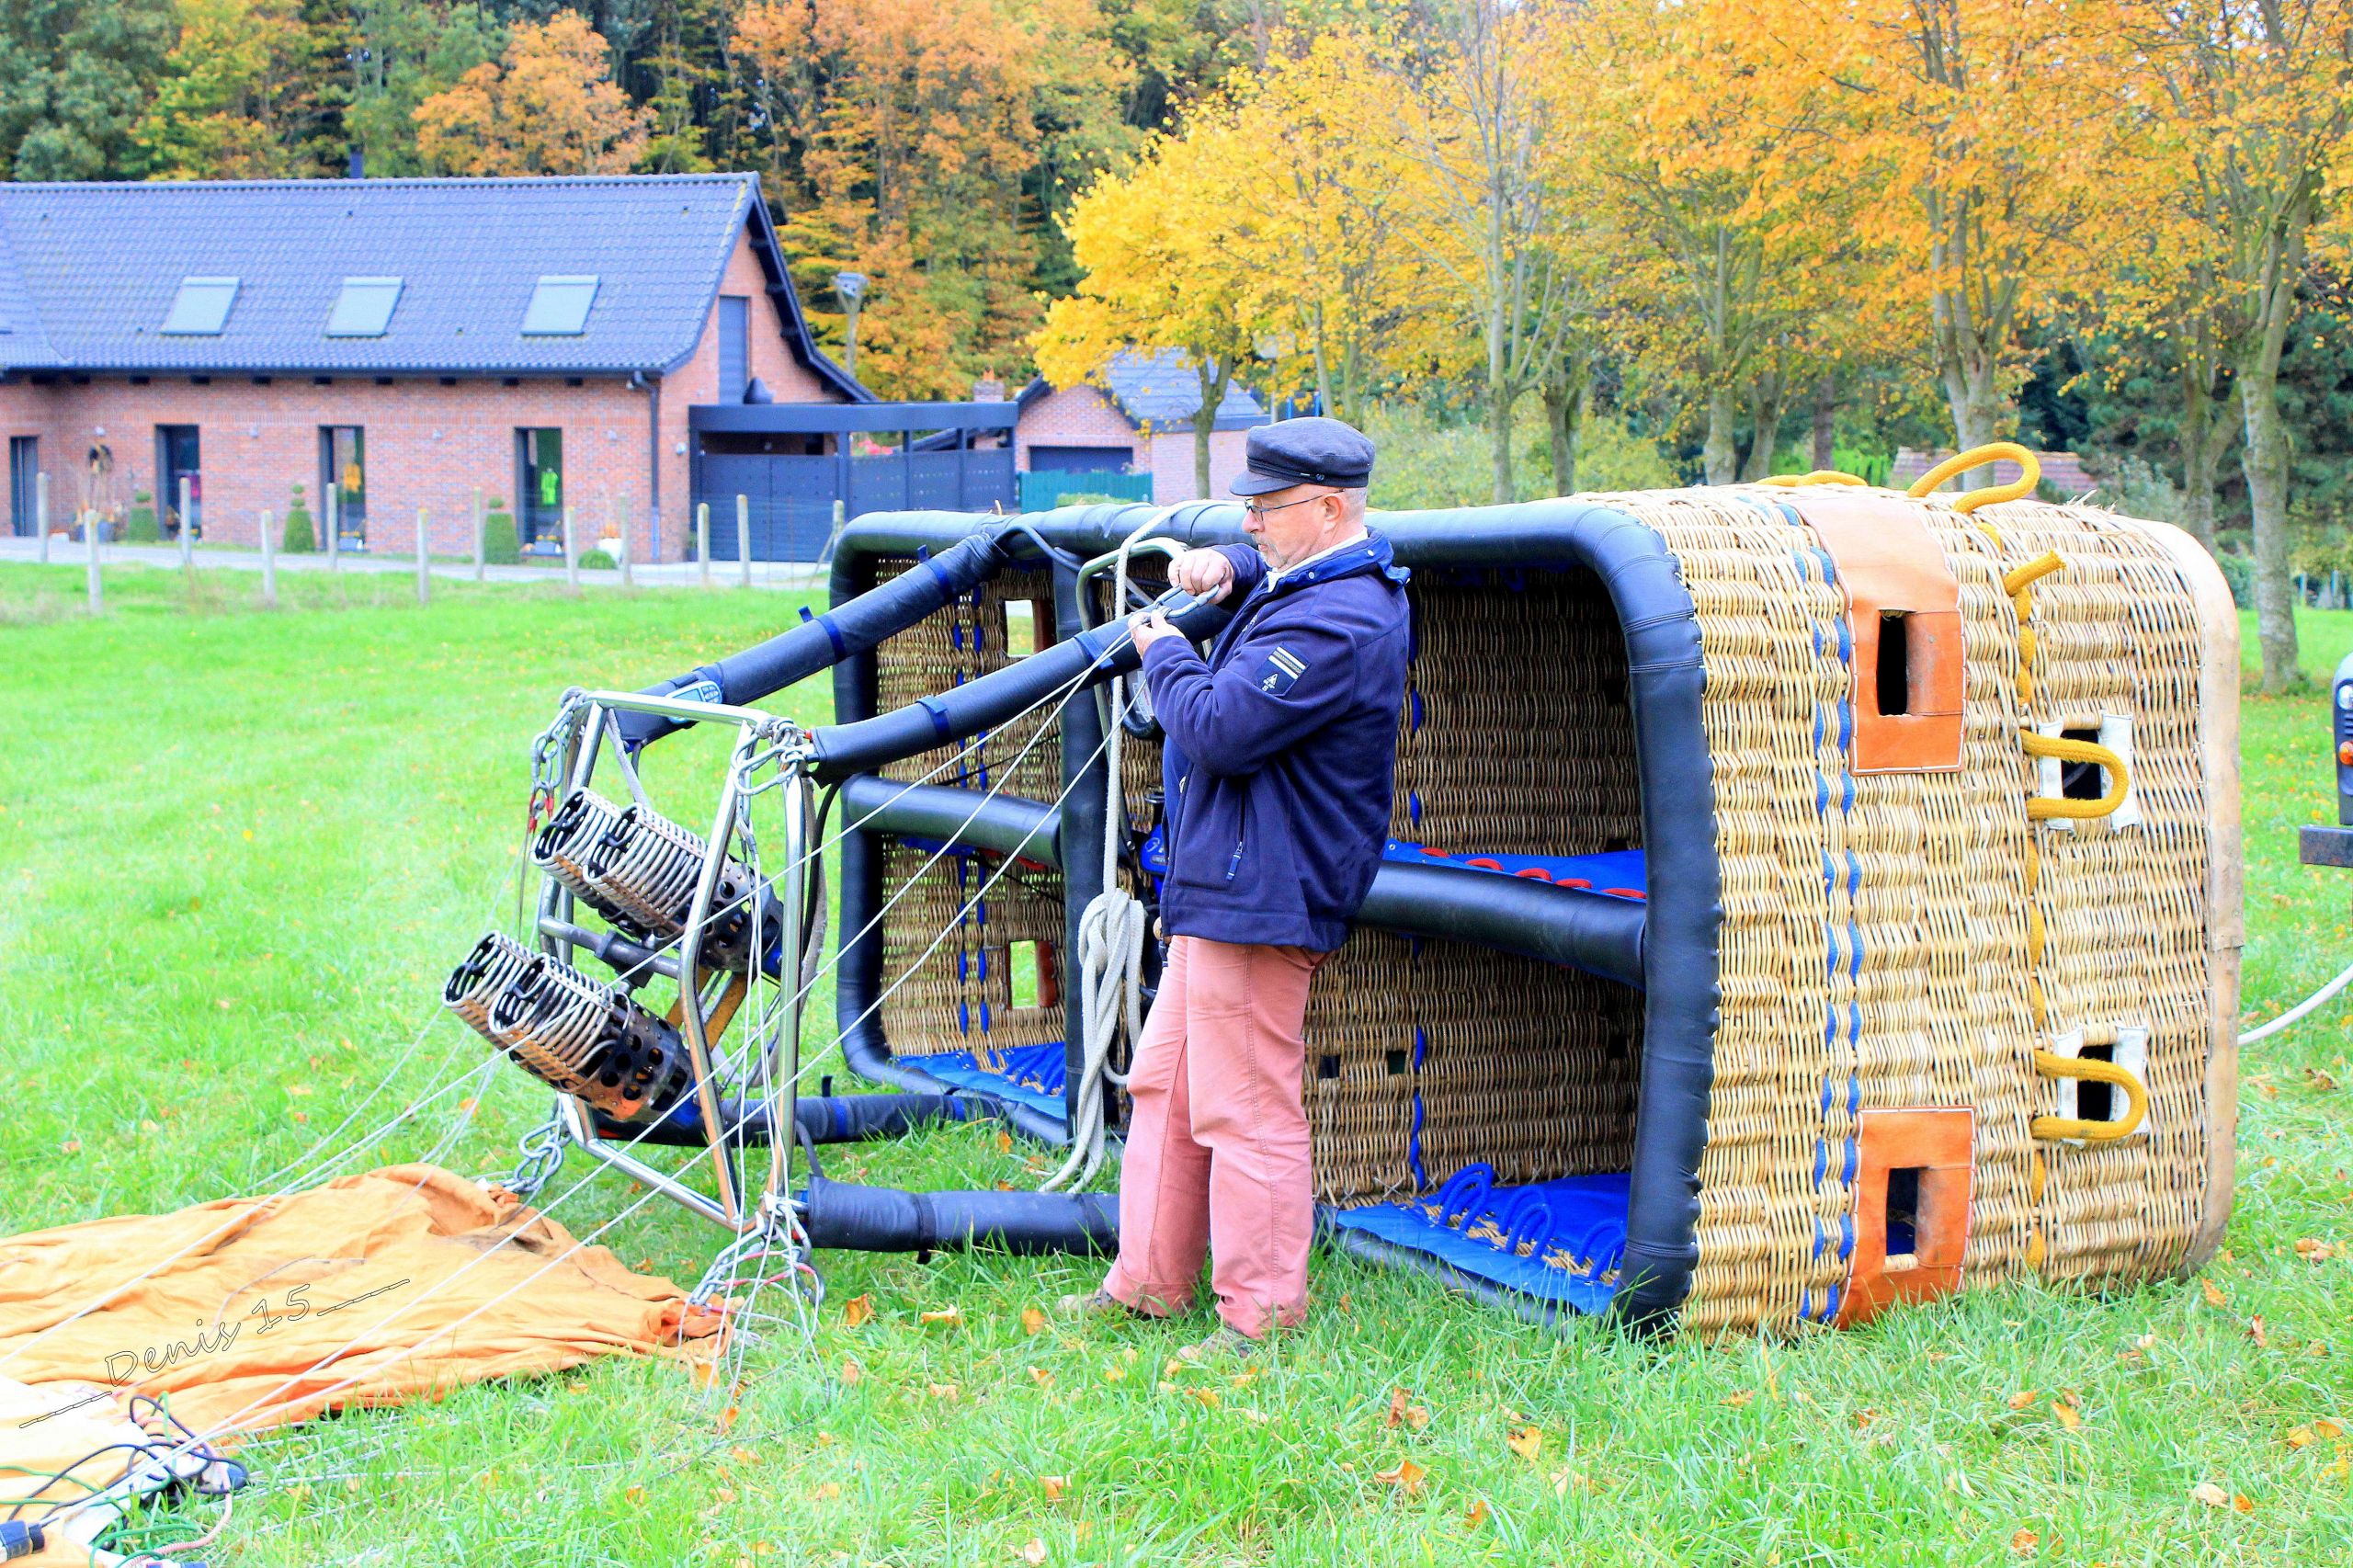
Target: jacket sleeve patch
(1281,671)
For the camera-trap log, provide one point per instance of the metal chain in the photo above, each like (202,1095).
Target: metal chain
(542,1149)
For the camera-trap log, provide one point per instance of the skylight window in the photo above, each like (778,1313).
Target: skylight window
(364,309)
(559,307)
(201,307)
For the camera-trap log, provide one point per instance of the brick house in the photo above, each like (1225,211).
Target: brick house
(409,341)
(1140,420)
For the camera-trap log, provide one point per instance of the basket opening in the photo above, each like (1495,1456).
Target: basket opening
(1892,678)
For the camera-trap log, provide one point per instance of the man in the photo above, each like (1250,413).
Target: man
(1278,766)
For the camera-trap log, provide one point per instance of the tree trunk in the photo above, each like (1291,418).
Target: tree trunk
(1719,458)
(1976,409)
(1566,404)
(2266,462)
(1500,402)
(1765,420)
(2206,433)
(1215,376)
(1322,367)
(1825,421)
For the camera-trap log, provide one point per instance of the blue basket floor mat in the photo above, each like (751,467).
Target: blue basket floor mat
(1619,873)
(1556,1241)
(1033,1074)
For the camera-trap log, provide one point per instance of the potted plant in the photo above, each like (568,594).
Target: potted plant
(299,539)
(501,545)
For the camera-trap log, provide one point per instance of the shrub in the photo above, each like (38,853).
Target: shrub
(299,538)
(2239,572)
(501,545)
(597,561)
(140,528)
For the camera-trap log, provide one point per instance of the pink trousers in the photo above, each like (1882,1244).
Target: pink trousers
(1217,1149)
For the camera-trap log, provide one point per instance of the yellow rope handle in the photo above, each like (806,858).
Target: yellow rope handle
(2043,808)
(2136,1098)
(2019,585)
(1819,476)
(1978,457)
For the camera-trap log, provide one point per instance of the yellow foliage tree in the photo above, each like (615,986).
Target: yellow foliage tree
(549,106)
(2252,104)
(1166,267)
(232,90)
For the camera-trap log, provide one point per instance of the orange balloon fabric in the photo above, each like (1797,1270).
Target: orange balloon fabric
(371,1289)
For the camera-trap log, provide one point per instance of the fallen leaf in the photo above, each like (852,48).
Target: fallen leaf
(946,1393)
(2024,1542)
(2214,1297)
(1034,1551)
(725,1494)
(2254,1332)
(1053,1486)
(1115,1373)
(1476,1517)
(1033,1322)
(1209,1397)
(1398,1400)
(852,1373)
(1004,1141)
(634,1496)
(2328,1428)
(2300,1437)
(743,1454)
(1738,1400)
(949,1317)
(71,1146)
(1526,1442)
(2342,1469)
(1041,1377)
(828,1491)
(2320,1080)
(2242,1503)
(727,1418)
(2069,1416)
(1406,1476)
(2214,1496)
(2312,1249)
(2021,1399)
(857,1310)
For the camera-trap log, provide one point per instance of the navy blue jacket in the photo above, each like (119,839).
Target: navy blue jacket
(1282,749)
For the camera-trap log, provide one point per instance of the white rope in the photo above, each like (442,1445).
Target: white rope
(2301,1010)
(1110,933)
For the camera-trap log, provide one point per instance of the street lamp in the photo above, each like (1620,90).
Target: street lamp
(851,286)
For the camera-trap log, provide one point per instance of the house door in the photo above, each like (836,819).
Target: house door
(24,497)
(177,457)
(538,506)
(343,471)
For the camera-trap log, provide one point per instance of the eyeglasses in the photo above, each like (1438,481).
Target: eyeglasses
(1259,509)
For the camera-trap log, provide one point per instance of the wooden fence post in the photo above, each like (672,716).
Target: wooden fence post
(481,549)
(90,537)
(41,513)
(702,538)
(188,522)
(570,556)
(744,538)
(268,565)
(330,524)
(629,573)
(424,562)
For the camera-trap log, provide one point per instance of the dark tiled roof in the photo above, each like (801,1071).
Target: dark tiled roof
(1160,387)
(87,272)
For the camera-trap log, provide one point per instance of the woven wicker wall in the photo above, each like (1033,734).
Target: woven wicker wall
(1875,949)
(961,997)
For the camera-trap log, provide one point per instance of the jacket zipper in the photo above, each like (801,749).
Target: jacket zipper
(1233,862)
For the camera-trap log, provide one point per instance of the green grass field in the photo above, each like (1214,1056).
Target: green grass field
(239,850)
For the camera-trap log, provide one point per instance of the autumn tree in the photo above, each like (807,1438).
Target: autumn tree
(548,107)
(1486,188)
(2253,106)
(1165,268)
(243,95)
(405,51)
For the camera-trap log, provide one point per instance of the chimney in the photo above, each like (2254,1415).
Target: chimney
(988,389)
(358,165)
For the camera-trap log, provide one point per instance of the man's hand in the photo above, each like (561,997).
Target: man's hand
(1206,574)
(1147,627)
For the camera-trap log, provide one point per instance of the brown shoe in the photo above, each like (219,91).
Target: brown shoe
(1226,1341)
(1095,1304)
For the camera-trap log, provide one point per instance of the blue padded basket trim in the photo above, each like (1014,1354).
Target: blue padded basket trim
(1614,869)
(1034,1074)
(1585,1214)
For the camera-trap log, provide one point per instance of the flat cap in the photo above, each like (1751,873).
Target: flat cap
(1306,452)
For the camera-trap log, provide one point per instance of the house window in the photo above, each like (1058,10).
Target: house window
(559,307)
(24,482)
(179,456)
(539,507)
(343,478)
(364,309)
(734,346)
(1081,460)
(201,307)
